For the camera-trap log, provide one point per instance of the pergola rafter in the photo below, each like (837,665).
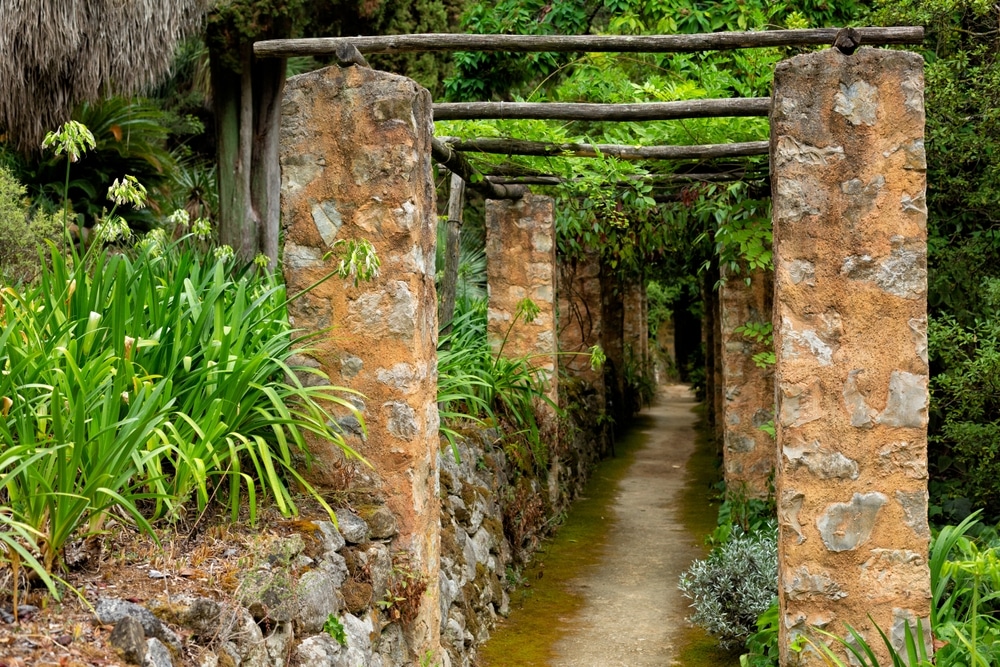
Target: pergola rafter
(711,108)
(350,51)
(508,146)
(712,41)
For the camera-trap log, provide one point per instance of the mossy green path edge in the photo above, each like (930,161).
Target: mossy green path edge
(699,514)
(543,609)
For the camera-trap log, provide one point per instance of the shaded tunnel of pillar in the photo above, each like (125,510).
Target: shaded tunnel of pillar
(847,394)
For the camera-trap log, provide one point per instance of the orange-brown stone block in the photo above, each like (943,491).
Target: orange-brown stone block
(635,328)
(847,156)
(579,322)
(613,342)
(355,160)
(748,389)
(521,264)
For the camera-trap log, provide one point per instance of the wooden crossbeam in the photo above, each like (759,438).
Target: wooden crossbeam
(458,164)
(622,152)
(549,179)
(327,46)
(713,108)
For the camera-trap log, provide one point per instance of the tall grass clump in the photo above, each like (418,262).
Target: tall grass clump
(138,384)
(137,381)
(475,384)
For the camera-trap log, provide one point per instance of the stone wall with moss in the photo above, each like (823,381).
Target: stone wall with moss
(493,516)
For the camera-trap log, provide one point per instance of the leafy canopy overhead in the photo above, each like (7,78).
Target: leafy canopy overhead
(608,203)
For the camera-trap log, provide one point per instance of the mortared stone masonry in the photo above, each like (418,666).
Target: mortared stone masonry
(520,264)
(847,154)
(747,388)
(579,322)
(356,164)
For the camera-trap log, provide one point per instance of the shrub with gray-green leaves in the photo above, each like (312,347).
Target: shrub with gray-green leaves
(734,585)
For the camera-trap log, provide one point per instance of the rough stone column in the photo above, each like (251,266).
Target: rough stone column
(706,345)
(579,322)
(717,384)
(748,389)
(644,355)
(521,263)
(635,324)
(850,337)
(612,341)
(355,158)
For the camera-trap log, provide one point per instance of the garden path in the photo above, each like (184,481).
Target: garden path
(603,590)
(633,614)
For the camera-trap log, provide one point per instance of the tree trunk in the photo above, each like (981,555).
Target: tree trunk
(449,282)
(269,78)
(226,105)
(328,46)
(247,241)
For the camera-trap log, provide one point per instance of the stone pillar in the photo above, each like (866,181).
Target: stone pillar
(644,354)
(579,322)
(708,344)
(356,164)
(521,263)
(718,402)
(635,324)
(748,390)
(613,342)
(847,155)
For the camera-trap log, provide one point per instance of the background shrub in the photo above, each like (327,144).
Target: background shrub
(965,410)
(734,585)
(21,233)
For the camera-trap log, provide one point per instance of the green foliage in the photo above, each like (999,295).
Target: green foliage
(965,600)
(137,383)
(124,137)
(914,653)
(740,513)
(761,334)
(731,588)
(132,384)
(471,283)
(476,384)
(743,237)
(965,590)
(661,299)
(488,75)
(22,234)
(965,408)
(757,332)
(335,629)
(762,646)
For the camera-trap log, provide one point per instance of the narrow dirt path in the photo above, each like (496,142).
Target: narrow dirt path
(633,614)
(603,591)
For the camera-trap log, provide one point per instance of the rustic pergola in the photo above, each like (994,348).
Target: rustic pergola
(351,51)
(849,324)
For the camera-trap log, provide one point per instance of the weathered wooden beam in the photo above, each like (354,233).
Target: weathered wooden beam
(714,108)
(452,252)
(505,146)
(549,179)
(458,164)
(325,46)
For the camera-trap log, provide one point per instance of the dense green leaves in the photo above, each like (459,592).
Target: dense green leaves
(146,383)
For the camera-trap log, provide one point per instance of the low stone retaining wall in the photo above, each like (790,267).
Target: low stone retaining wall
(338,596)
